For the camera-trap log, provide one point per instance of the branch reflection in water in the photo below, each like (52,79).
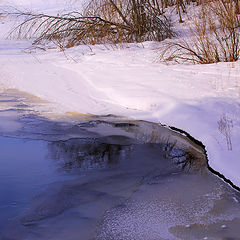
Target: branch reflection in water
(110,150)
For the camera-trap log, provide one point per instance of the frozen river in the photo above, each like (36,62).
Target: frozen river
(105,178)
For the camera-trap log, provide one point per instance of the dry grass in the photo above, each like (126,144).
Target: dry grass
(215,36)
(225,126)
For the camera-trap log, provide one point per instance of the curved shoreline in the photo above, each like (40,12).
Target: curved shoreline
(221,176)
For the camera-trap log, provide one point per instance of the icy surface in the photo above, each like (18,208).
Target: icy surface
(112,187)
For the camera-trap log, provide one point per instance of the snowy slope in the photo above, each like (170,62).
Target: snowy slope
(203,100)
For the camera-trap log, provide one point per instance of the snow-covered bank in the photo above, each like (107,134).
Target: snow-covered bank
(203,100)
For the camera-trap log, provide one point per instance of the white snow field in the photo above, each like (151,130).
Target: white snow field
(203,100)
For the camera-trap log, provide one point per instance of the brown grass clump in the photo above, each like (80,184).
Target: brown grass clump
(215,36)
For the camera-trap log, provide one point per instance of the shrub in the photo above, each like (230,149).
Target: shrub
(102,21)
(215,36)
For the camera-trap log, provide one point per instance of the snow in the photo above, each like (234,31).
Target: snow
(129,80)
(49,6)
